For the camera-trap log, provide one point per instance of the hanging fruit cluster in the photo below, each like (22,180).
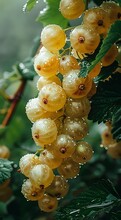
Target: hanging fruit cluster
(59,113)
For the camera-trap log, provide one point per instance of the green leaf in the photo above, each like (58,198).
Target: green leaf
(26,69)
(84,68)
(29,5)
(5,169)
(106,71)
(52,15)
(116,124)
(107,99)
(107,42)
(98,199)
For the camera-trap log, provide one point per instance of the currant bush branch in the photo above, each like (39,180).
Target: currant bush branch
(14,102)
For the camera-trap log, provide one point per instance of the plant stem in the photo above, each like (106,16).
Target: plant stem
(14,102)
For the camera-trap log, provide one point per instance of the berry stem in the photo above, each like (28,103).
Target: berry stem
(69,28)
(65,51)
(14,102)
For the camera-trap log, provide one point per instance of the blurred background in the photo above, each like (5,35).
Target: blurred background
(17,31)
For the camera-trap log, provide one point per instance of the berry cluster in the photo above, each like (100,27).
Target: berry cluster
(59,112)
(111,145)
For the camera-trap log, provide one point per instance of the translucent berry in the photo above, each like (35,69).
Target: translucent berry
(27,162)
(92,90)
(53,37)
(107,137)
(34,111)
(110,56)
(46,63)
(76,128)
(44,131)
(98,19)
(113,10)
(68,63)
(83,153)
(72,9)
(77,108)
(52,97)
(59,187)
(42,81)
(69,168)
(75,86)
(84,39)
(95,71)
(114,150)
(63,146)
(50,159)
(48,203)
(4,152)
(31,192)
(41,175)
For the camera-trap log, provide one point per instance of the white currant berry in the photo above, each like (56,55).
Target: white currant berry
(68,63)
(77,108)
(114,150)
(4,152)
(84,39)
(52,97)
(113,10)
(31,192)
(75,86)
(72,9)
(42,81)
(76,128)
(44,131)
(82,153)
(107,138)
(53,37)
(27,162)
(98,19)
(41,175)
(49,158)
(48,203)
(34,111)
(69,168)
(46,63)
(59,187)
(63,146)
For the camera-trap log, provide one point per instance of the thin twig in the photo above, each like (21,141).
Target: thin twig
(14,102)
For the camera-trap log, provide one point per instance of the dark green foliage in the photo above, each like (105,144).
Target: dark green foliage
(106,103)
(5,169)
(106,100)
(106,71)
(52,15)
(116,123)
(99,199)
